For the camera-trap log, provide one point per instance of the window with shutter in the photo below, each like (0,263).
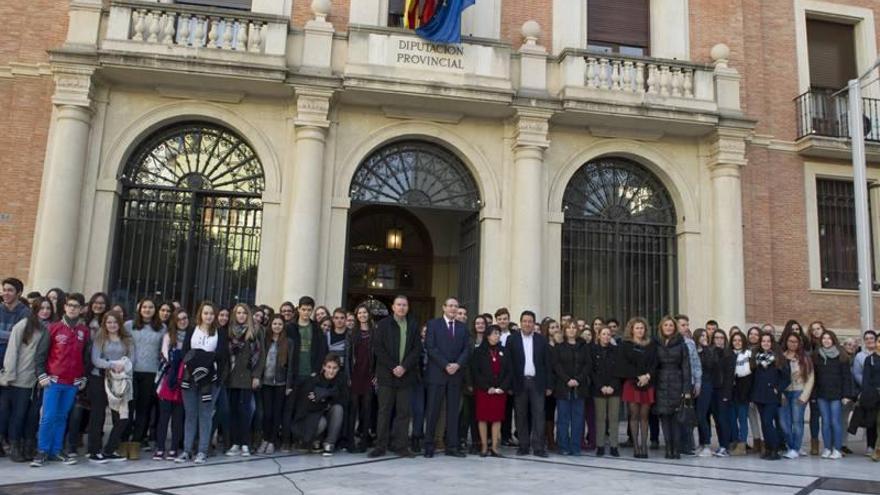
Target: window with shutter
(228,4)
(619,26)
(831,52)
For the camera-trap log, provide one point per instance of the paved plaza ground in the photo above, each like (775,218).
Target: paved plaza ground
(355,474)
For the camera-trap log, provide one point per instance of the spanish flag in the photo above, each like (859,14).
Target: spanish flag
(410,14)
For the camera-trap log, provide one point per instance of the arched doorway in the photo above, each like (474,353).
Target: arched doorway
(618,243)
(425,192)
(190,218)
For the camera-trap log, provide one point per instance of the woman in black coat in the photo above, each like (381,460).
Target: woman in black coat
(492,378)
(673,383)
(571,385)
(637,364)
(319,407)
(772,376)
(834,388)
(606,387)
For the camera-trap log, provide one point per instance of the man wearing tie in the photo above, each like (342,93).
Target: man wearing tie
(448,346)
(530,359)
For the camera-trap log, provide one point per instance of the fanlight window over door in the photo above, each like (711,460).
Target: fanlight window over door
(618,243)
(415,173)
(190,218)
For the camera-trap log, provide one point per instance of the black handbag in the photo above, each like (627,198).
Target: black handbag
(686,415)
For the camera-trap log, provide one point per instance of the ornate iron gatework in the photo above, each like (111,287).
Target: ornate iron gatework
(618,243)
(418,174)
(190,218)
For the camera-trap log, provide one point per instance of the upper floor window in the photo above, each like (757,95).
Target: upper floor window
(396,11)
(831,52)
(619,26)
(229,4)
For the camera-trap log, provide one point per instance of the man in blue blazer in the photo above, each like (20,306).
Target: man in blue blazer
(530,357)
(448,345)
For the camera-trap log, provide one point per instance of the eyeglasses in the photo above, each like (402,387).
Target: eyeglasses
(73,305)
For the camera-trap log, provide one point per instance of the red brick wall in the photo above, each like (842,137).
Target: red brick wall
(302,13)
(515,12)
(761,36)
(30,27)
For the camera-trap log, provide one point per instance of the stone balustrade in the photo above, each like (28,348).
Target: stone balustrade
(585,74)
(169,27)
(189,31)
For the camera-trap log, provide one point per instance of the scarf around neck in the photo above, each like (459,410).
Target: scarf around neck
(829,353)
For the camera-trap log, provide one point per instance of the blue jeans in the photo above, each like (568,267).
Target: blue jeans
(832,432)
(57,401)
(769,424)
(198,419)
(792,417)
(569,425)
(704,402)
(739,424)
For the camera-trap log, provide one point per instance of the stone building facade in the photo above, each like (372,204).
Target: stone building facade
(262,150)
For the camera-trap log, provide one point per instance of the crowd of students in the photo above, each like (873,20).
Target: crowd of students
(249,380)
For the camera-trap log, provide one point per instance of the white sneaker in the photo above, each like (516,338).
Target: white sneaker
(245,451)
(233,451)
(201,458)
(704,452)
(270,449)
(868,452)
(790,454)
(262,449)
(721,452)
(825,454)
(803,453)
(835,454)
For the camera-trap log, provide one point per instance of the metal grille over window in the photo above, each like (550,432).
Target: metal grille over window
(618,243)
(190,218)
(417,174)
(835,201)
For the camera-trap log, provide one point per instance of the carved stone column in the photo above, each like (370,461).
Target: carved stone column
(527,254)
(304,218)
(726,159)
(58,215)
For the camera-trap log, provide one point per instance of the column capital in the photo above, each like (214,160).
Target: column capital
(531,128)
(73,86)
(727,149)
(312,107)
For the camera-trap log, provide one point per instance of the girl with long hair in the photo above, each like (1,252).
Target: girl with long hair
(169,391)
(742,392)
(276,383)
(797,394)
(673,383)
(638,363)
(147,332)
(833,388)
(245,371)
(19,375)
(361,429)
(772,377)
(113,351)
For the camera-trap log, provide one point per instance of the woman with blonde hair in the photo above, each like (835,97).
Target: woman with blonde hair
(637,365)
(245,371)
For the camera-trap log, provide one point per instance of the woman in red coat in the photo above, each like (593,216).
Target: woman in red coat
(492,382)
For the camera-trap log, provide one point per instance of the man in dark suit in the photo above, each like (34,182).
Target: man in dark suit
(448,346)
(397,346)
(529,355)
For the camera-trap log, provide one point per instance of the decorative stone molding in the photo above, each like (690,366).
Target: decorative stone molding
(312,108)
(21,69)
(532,128)
(73,86)
(727,150)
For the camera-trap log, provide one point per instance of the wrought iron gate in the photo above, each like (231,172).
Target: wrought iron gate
(618,243)
(469,264)
(190,219)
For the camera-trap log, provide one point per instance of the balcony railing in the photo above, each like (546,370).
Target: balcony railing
(185,30)
(643,77)
(820,113)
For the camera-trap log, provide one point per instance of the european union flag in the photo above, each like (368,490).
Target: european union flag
(445,26)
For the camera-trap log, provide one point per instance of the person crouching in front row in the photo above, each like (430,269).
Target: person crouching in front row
(319,407)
